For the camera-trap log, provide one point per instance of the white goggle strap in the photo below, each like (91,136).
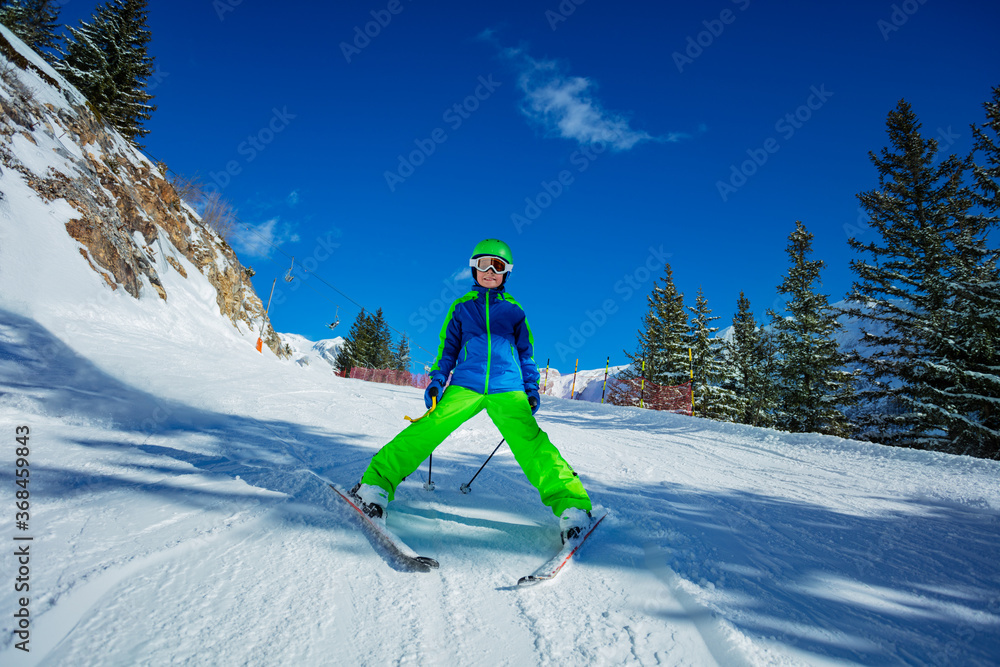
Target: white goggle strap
(474,263)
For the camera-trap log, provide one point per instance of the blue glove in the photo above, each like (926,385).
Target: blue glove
(533,399)
(435,388)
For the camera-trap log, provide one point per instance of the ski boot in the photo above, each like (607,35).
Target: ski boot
(371,499)
(573,522)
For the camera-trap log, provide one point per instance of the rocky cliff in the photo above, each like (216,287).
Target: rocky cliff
(126,209)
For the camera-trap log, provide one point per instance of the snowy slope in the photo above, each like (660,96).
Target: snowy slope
(180,513)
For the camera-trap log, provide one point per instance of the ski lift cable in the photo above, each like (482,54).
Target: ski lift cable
(320,278)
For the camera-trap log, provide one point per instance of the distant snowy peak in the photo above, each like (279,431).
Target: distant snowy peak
(65,171)
(848,337)
(311,354)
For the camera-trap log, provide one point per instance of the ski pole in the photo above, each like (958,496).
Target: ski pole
(430,466)
(465,488)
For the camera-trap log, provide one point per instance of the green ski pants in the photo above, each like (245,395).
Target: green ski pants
(545,468)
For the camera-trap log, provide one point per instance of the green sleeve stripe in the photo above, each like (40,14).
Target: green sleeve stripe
(444,329)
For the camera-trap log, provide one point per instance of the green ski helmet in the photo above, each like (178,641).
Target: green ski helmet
(492,248)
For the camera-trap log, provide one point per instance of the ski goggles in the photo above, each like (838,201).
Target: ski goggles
(488,262)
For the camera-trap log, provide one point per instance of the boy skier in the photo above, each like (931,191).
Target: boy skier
(487,347)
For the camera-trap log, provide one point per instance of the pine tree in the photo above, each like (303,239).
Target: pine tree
(813,386)
(34,22)
(357,345)
(711,399)
(661,353)
(904,294)
(752,360)
(108,61)
(380,354)
(973,359)
(987,143)
(662,337)
(401,354)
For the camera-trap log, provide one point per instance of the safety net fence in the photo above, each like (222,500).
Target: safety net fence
(636,393)
(390,376)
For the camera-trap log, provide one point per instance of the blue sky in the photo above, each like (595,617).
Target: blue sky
(599,139)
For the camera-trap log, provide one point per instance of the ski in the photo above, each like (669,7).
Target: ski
(377,528)
(555,565)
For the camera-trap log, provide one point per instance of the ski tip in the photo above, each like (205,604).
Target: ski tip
(529,580)
(429,562)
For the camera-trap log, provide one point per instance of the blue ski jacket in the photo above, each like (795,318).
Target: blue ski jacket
(486,344)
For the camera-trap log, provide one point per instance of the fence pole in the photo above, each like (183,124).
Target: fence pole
(605,387)
(642,385)
(691,363)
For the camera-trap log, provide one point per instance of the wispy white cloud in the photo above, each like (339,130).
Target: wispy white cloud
(566,106)
(260,240)
(293,198)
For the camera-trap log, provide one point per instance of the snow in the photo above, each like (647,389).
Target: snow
(179,511)
(586,386)
(320,355)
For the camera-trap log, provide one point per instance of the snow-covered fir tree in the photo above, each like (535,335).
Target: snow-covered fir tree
(814,386)
(109,62)
(711,399)
(34,22)
(972,360)
(751,368)
(401,354)
(661,340)
(380,355)
(986,155)
(905,291)
(357,345)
